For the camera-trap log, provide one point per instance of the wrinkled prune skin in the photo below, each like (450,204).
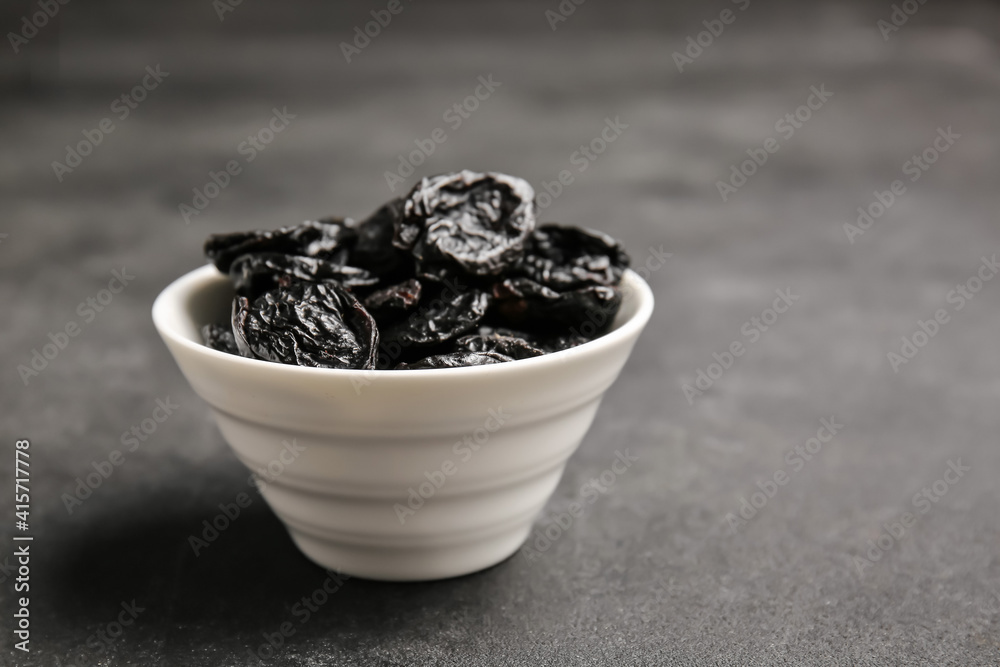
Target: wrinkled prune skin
(393,302)
(514,347)
(258,273)
(454,273)
(562,257)
(326,239)
(564,342)
(219,337)
(446,315)
(309,324)
(522,301)
(467,220)
(454,360)
(545,342)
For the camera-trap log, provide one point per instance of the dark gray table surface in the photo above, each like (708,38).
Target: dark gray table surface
(652,573)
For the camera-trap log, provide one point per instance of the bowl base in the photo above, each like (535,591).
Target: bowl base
(417,564)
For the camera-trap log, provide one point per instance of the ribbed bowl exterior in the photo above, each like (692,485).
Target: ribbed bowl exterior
(400,475)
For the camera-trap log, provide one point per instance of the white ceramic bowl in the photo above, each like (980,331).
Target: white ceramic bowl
(400,475)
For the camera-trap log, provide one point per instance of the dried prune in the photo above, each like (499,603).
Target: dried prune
(563,257)
(393,301)
(564,342)
(374,250)
(446,315)
(455,273)
(546,342)
(327,239)
(454,360)
(257,273)
(219,337)
(309,324)
(514,347)
(475,222)
(525,302)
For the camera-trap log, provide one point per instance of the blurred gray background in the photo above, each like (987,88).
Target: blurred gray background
(659,570)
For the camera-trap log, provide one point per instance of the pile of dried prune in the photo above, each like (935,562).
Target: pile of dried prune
(454,274)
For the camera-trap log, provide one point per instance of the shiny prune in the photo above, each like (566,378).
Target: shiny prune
(546,342)
(445,315)
(564,341)
(514,347)
(522,301)
(394,301)
(562,257)
(454,360)
(308,324)
(258,273)
(219,337)
(473,222)
(327,239)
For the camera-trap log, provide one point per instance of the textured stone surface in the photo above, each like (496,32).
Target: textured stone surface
(652,572)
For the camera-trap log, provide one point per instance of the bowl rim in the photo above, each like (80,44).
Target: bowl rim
(196,279)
